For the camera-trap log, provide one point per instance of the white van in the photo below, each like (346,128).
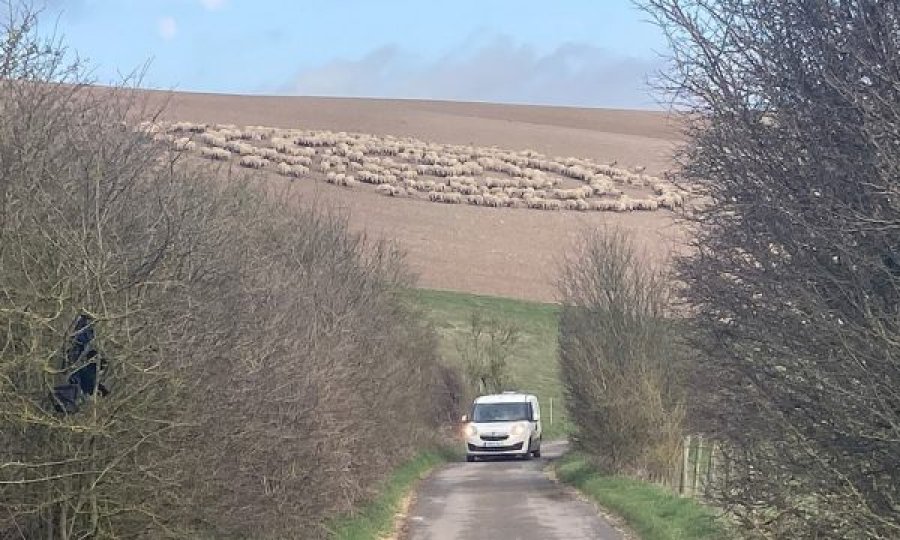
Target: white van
(507,424)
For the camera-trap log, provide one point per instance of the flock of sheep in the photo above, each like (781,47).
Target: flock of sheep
(407,167)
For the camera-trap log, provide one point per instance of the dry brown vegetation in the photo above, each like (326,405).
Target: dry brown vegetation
(621,357)
(256,355)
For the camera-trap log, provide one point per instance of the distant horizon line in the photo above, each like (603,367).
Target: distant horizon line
(383,98)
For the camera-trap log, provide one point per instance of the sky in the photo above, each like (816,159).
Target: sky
(593,53)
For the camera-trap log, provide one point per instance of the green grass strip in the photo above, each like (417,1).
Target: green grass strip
(376,519)
(651,511)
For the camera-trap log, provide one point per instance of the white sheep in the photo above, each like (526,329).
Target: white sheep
(253,162)
(215,153)
(268,153)
(184,144)
(295,160)
(491,200)
(340,179)
(213,139)
(670,200)
(645,204)
(188,127)
(238,147)
(603,204)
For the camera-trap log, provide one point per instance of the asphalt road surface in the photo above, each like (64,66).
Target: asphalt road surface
(512,500)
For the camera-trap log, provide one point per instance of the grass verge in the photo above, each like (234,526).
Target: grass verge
(376,519)
(535,367)
(651,511)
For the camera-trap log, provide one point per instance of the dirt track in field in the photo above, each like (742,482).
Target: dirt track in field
(503,252)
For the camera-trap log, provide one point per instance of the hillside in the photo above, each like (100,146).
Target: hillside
(511,252)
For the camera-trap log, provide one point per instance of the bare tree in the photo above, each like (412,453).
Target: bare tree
(794,276)
(485,352)
(619,356)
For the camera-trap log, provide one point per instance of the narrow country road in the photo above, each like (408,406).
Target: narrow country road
(513,500)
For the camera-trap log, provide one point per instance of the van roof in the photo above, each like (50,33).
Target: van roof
(506,397)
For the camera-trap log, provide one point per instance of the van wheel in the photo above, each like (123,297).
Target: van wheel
(470,458)
(536,453)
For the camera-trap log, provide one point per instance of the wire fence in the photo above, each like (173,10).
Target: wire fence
(701,461)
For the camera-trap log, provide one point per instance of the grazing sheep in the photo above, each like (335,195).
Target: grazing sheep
(340,179)
(283,145)
(535,203)
(670,200)
(298,170)
(229,134)
(149,128)
(552,205)
(492,201)
(295,160)
(215,153)
(603,205)
(645,204)
(425,185)
(188,127)
(622,205)
(268,153)
(213,139)
(452,198)
(184,144)
(240,148)
(253,162)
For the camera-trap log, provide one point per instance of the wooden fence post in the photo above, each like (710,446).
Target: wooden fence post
(697,454)
(709,469)
(686,449)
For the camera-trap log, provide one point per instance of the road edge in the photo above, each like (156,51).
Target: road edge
(616,521)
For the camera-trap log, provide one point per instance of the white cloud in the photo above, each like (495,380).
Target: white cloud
(212,5)
(167,28)
(497,70)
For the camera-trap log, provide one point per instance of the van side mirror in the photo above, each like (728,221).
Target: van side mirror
(464,418)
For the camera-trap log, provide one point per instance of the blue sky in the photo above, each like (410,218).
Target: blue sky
(597,53)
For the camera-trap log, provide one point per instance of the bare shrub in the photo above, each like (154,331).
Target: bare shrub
(255,354)
(619,356)
(793,133)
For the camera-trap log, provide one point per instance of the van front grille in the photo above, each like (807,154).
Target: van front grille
(494,437)
(474,448)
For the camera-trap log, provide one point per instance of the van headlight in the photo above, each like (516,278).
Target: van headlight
(519,429)
(471,430)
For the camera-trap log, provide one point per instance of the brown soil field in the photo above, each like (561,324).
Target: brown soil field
(509,252)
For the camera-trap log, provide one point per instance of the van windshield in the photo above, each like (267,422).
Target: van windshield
(501,412)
